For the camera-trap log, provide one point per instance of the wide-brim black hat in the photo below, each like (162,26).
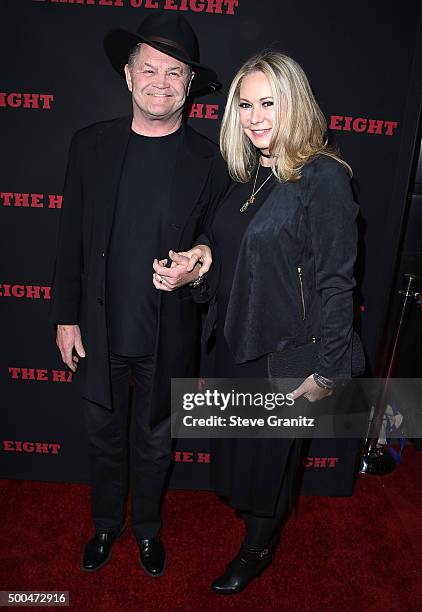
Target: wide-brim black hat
(169,33)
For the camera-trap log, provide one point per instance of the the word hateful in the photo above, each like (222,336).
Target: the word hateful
(226,7)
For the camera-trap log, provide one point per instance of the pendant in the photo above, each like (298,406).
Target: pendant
(246,204)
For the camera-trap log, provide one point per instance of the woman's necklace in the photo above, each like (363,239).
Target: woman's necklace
(251,198)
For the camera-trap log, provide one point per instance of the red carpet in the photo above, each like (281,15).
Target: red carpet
(340,554)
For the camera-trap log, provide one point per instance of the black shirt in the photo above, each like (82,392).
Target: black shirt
(229,226)
(228,229)
(141,209)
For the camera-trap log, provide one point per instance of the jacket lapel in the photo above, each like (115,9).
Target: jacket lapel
(191,172)
(113,141)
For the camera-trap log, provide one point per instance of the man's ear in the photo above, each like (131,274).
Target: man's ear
(128,78)
(192,74)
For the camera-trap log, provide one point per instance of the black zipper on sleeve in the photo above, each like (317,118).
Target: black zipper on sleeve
(299,272)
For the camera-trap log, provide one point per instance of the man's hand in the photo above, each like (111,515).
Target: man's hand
(186,267)
(310,390)
(69,338)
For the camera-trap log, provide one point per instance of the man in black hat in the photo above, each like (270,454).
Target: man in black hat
(135,187)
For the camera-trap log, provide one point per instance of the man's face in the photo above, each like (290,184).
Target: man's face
(159,83)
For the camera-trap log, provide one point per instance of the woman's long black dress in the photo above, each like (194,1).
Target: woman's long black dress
(252,473)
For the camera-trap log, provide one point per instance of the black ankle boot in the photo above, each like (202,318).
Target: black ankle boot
(248,564)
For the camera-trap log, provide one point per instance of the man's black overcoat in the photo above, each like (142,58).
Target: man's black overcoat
(92,180)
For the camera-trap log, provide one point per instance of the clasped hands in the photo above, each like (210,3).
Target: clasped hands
(185,267)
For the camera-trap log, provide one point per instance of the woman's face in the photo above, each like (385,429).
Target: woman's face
(256,109)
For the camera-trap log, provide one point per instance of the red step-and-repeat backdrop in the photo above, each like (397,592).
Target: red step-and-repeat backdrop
(364,64)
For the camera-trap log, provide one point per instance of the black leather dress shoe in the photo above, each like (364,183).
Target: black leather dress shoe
(152,556)
(98,550)
(248,564)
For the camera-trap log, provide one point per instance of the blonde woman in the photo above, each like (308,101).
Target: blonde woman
(283,243)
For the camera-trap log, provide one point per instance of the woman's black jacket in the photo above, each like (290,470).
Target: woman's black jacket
(294,275)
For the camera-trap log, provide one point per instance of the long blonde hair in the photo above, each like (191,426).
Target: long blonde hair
(301,136)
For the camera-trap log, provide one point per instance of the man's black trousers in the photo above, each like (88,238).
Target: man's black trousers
(124,452)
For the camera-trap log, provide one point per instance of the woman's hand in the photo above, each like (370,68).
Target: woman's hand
(311,390)
(201,253)
(186,267)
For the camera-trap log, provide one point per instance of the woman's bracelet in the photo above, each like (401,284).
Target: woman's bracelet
(324,383)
